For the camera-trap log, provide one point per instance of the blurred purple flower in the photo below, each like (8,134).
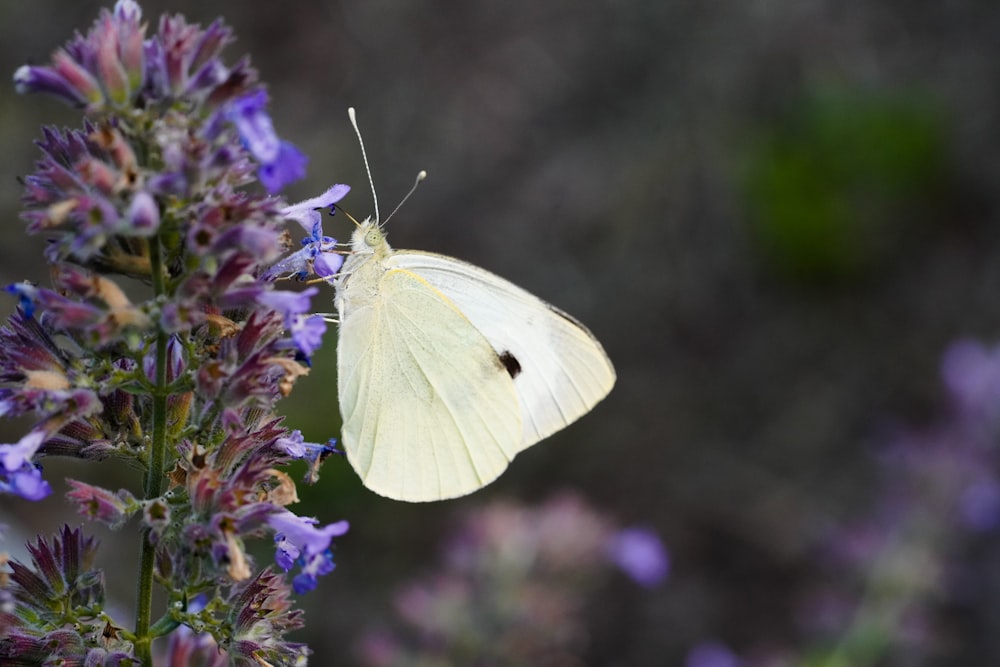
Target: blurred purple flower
(979,505)
(640,554)
(971,373)
(711,654)
(18,474)
(13,457)
(25,482)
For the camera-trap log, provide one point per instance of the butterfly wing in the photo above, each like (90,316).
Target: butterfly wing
(430,411)
(560,370)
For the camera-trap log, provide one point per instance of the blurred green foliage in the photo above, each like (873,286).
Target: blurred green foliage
(838,182)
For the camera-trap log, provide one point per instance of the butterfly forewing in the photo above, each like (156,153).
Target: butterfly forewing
(430,410)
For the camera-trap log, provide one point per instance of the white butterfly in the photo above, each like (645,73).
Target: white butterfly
(446,371)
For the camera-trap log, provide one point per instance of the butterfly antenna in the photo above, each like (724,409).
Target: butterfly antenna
(421,176)
(364,156)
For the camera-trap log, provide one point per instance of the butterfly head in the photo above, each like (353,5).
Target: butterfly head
(368,238)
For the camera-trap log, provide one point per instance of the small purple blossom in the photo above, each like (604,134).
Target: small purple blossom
(25,482)
(144,214)
(295,446)
(306,212)
(302,533)
(971,373)
(288,303)
(280,162)
(298,539)
(102,505)
(319,252)
(48,80)
(640,554)
(13,457)
(307,333)
(313,567)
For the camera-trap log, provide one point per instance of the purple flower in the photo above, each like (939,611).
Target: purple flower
(143,215)
(302,534)
(307,333)
(288,303)
(711,654)
(295,446)
(14,457)
(287,167)
(319,252)
(280,162)
(972,375)
(105,66)
(298,539)
(319,255)
(979,505)
(314,567)
(305,213)
(26,482)
(33,79)
(175,361)
(640,554)
(153,189)
(102,505)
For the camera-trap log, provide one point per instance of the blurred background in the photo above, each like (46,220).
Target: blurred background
(778,217)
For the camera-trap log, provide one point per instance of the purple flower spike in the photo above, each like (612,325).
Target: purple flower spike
(162,342)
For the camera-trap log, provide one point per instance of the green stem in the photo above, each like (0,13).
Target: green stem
(154,474)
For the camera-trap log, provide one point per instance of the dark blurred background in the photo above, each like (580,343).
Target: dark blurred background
(775,215)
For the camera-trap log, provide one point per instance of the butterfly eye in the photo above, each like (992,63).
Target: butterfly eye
(373,237)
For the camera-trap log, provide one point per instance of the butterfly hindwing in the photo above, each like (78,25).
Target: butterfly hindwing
(559,369)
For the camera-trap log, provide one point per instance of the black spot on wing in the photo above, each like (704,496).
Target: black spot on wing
(510,363)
